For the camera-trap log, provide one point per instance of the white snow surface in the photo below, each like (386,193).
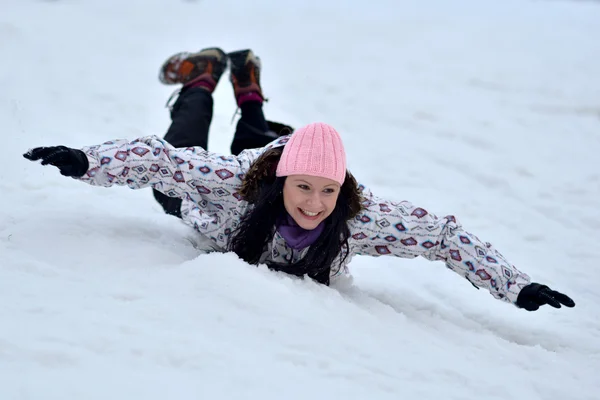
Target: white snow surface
(488,110)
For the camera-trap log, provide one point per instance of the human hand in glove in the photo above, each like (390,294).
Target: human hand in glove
(70,162)
(535,295)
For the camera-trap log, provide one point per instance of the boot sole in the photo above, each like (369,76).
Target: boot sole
(238,61)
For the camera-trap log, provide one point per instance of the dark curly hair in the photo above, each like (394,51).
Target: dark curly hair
(263,190)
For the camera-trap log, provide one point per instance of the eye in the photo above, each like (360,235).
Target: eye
(303,187)
(329,191)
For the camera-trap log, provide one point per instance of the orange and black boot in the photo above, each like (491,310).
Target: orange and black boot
(245,76)
(203,68)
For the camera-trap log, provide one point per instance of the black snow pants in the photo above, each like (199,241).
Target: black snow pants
(191,116)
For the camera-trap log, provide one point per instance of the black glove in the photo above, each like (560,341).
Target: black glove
(535,295)
(70,162)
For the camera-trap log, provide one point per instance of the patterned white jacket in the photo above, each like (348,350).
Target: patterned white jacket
(208,184)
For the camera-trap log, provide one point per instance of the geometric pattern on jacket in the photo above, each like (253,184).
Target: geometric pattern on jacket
(208,183)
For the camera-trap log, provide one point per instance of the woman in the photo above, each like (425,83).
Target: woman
(289,203)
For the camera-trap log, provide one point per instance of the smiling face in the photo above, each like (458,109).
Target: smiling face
(309,199)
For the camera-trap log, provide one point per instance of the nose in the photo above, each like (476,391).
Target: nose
(313,199)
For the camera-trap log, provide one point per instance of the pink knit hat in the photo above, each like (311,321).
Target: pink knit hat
(316,150)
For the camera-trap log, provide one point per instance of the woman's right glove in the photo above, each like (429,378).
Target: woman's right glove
(70,162)
(535,295)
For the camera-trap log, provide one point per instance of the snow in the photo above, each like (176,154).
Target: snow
(488,110)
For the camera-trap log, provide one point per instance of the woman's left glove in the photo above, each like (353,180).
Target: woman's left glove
(535,295)
(70,162)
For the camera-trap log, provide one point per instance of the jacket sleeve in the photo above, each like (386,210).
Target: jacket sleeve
(404,230)
(190,172)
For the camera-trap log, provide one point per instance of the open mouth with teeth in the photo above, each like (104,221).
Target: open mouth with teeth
(308,214)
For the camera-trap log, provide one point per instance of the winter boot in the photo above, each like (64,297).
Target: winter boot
(203,68)
(245,76)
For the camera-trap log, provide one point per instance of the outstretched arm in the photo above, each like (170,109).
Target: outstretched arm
(151,161)
(404,230)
